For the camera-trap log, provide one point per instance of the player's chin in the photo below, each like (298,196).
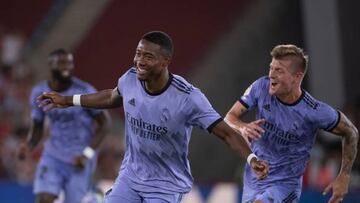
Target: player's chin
(142,77)
(272,91)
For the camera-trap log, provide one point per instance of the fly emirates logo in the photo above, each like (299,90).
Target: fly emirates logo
(144,129)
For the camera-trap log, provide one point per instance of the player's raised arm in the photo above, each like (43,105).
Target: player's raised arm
(350,137)
(238,144)
(104,99)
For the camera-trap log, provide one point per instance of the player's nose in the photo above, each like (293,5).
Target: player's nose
(271,75)
(141,63)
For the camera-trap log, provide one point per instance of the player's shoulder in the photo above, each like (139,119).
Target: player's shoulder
(320,111)
(181,85)
(131,71)
(129,74)
(310,101)
(315,105)
(81,83)
(263,81)
(38,89)
(259,86)
(41,86)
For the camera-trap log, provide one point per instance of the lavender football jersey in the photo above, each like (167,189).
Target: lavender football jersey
(70,129)
(290,131)
(157,132)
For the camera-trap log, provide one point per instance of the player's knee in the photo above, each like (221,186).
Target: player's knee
(257,201)
(45,198)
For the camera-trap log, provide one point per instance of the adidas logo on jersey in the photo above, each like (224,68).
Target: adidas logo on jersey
(132,102)
(267,107)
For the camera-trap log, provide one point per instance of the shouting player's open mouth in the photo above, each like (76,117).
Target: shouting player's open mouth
(273,85)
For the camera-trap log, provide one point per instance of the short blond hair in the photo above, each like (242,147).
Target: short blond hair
(290,50)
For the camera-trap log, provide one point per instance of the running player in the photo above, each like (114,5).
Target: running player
(160,110)
(68,159)
(288,118)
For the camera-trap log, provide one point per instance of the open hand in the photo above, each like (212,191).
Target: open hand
(339,188)
(23,151)
(253,130)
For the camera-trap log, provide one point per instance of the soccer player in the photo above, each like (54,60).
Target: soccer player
(160,110)
(68,159)
(288,118)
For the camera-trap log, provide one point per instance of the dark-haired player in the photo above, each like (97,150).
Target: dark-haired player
(160,111)
(68,159)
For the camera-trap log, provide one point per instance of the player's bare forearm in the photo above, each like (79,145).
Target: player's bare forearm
(232,138)
(103,123)
(35,134)
(350,137)
(102,100)
(250,131)
(233,116)
(234,123)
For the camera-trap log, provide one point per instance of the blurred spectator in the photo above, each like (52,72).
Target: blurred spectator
(12,46)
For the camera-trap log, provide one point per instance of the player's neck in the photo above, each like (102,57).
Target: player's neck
(291,97)
(158,84)
(59,86)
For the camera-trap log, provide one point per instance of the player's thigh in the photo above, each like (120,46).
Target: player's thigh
(48,178)
(249,194)
(161,197)
(79,183)
(45,198)
(280,193)
(122,192)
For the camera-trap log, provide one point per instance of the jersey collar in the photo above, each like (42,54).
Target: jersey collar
(161,91)
(294,103)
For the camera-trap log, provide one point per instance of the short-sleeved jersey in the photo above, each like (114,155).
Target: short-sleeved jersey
(70,129)
(157,132)
(290,131)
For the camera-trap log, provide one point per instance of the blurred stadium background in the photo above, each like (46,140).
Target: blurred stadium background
(220,46)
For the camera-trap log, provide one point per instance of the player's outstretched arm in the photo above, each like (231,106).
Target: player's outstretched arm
(252,130)
(238,144)
(34,137)
(350,137)
(104,99)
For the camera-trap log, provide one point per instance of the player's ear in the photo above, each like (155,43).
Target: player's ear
(166,61)
(300,74)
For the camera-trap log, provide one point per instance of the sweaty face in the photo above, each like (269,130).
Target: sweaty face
(282,81)
(62,67)
(148,60)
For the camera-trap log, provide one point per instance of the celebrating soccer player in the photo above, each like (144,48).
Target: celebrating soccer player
(69,156)
(288,118)
(160,110)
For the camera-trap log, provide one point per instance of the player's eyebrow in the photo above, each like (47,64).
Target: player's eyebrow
(145,52)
